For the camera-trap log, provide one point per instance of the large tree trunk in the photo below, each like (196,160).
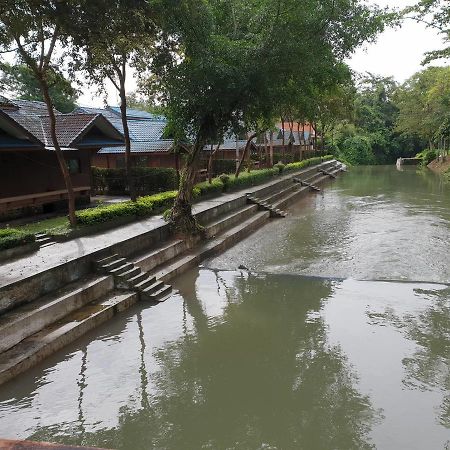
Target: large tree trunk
(181,213)
(284,141)
(59,154)
(126,132)
(210,161)
(247,149)
(271,150)
(266,150)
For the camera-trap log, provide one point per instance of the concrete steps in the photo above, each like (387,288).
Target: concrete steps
(28,319)
(38,346)
(264,205)
(128,276)
(161,254)
(227,239)
(228,220)
(44,240)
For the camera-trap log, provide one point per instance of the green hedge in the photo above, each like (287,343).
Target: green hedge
(251,178)
(147,180)
(144,206)
(10,237)
(206,188)
(308,162)
(152,204)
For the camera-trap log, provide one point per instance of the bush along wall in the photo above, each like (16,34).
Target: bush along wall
(153,204)
(148,180)
(10,238)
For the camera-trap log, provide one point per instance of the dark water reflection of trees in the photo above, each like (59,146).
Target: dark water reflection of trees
(262,375)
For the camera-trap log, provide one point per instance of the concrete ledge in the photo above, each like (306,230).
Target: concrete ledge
(21,250)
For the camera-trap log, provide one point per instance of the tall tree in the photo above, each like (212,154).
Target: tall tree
(109,37)
(21,81)
(215,82)
(32,30)
(436,15)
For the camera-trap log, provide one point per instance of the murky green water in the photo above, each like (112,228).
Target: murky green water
(297,354)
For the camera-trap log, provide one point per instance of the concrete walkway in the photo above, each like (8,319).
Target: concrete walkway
(52,256)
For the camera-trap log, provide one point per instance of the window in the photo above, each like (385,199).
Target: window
(74,166)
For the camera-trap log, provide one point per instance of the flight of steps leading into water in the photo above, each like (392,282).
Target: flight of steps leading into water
(33,331)
(129,276)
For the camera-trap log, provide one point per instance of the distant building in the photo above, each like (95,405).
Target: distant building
(30,176)
(148,146)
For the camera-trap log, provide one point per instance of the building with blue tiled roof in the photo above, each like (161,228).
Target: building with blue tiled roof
(148,146)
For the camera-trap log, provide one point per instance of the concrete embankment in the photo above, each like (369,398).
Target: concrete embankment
(65,290)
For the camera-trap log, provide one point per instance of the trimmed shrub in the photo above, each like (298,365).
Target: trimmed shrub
(206,188)
(308,162)
(280,167)
(10,237)
(148,180)
(225,179)
(103,214)
(251,178)
(160,201)
(144,206)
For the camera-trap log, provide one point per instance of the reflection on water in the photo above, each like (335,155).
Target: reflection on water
(267,360)
(372,223)
(250,361)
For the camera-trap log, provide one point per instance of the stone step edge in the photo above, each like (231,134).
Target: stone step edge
(43,311)
(37,347)
(222,242)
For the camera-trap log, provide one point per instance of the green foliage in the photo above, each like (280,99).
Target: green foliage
(144,206)
(427,156)
(22,83)
(152,204)
(147,180)
(215,187)
(10,237)
(308,162)
(436,14)
(225,179)
(357,150)
(424,105)
(251,178)
(280,167)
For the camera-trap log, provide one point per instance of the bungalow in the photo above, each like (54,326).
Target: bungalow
(148,146)
(30,176)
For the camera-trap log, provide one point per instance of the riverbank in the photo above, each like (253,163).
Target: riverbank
(54,297)
(440,166)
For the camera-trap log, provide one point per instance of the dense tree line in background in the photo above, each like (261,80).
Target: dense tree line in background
(389,121)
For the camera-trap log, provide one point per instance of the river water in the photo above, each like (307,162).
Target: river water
(337,337)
